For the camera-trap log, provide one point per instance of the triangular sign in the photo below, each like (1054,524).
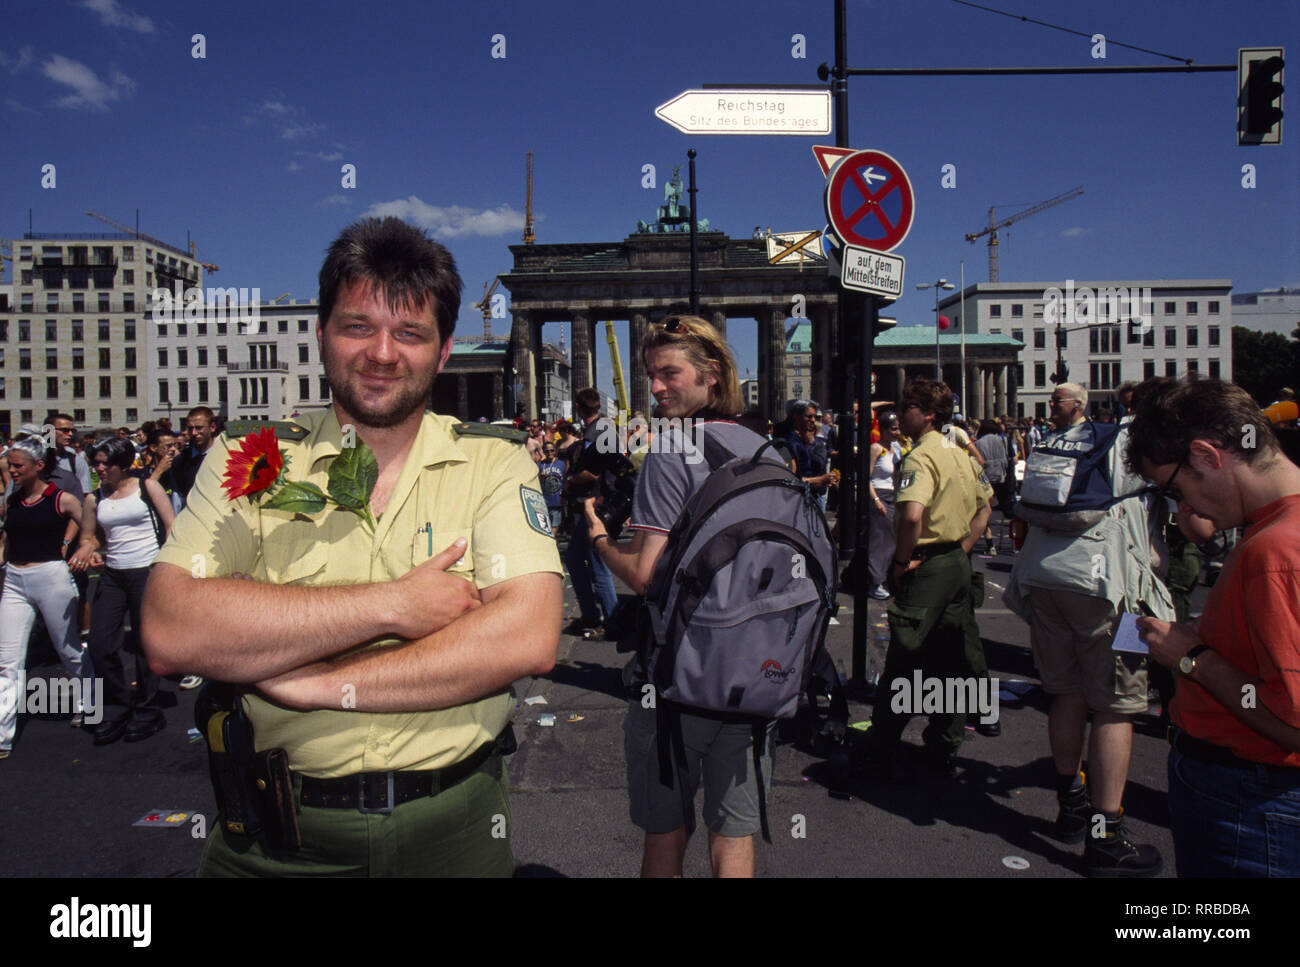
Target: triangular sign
(828,155)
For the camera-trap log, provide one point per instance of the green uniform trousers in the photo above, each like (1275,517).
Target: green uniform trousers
(462,831)
(930,626)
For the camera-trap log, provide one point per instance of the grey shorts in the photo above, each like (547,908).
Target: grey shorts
(722,751)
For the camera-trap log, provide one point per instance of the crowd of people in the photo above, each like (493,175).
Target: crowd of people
(366,673)
(84,517)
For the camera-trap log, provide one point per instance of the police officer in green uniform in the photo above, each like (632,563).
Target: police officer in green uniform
(942,508)
(379,657)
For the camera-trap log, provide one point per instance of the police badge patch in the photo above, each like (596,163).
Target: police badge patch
(535,511)
(906,479)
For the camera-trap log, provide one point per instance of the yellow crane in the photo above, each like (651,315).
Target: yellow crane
(207,266)
(616,363)
(486,305)
(992,230)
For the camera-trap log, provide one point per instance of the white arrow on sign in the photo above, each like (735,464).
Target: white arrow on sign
(869,175)
(748,112)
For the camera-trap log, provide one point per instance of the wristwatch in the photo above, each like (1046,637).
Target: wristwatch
(1187,664)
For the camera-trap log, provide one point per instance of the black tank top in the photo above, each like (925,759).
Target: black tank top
(36,531)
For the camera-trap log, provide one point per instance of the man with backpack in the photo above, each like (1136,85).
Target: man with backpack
(1086,561)
(693,379)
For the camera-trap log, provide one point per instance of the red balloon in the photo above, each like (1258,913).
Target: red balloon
(944,322)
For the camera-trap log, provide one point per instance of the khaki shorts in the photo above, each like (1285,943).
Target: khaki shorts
(1071,635)
(723,752)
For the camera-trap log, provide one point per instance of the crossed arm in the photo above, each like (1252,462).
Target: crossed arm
(459,644)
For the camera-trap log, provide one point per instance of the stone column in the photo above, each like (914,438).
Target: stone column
(719,320)
(775,376)
(498,396)
(462,396)
(1001,404)
(639,390)
(1012,386)
(583,373)
(819,377)
(522,375)
(900,373)
(975,382)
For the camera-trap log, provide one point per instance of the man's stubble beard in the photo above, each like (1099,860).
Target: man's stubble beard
(413,399)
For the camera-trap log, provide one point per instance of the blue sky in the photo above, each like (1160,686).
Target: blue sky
(243,148)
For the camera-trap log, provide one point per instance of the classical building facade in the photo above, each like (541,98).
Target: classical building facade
(1109,332)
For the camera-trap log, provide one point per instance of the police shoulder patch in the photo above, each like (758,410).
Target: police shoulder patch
(535,510)
(906,479)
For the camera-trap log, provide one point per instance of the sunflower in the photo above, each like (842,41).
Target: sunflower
(255,466)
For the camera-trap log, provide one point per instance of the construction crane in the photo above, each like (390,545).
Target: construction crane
(528,204)
(280,298)
(207,266)
(6,250)
(616,363)
(486,305)
(992,230)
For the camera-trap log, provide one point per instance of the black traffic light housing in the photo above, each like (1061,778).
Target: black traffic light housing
(1259,97)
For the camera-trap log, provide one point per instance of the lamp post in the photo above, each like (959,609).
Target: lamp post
(937,285)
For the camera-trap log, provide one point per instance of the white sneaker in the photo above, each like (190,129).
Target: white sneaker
(879,592)
(191,681)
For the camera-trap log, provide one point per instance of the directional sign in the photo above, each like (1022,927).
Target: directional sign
(869,200)
(749,112)
(827,156)
(794,247)
(867,270)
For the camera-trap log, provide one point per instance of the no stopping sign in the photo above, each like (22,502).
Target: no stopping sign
(869,200)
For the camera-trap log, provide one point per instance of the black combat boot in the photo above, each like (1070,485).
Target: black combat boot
(1112,854)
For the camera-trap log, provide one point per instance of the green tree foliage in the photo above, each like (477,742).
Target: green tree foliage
(1264,362)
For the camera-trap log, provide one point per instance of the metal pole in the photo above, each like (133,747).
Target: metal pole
(961,382)
(695,258)
(938,366)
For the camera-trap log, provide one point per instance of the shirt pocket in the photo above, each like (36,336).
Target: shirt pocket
(425,544)
(288,562)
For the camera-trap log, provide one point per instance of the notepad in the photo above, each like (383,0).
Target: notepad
(1126,638)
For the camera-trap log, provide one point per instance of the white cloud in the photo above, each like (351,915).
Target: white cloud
(113,14)
(22,60)
(88,91)
(453,221)
(18,106)
(294,166)
(332,200)
(333,156)
(1075,231)
(294,130)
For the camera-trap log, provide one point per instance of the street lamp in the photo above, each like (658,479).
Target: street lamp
(937,285)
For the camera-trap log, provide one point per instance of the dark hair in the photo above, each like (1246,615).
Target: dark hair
(989,426)
(117,451)
(408,267)
(156,434)
(588,400)
(203,411)
(1170,414)
(931,395)
(60,416)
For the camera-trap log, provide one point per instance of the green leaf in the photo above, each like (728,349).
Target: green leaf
(353,475)
(298,498)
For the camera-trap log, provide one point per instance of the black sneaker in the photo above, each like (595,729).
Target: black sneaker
(578,625)
(1073,818)
(1113,855)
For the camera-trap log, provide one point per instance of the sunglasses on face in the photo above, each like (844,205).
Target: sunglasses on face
(1168,489)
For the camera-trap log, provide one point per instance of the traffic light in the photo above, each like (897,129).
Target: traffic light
(883,324)
(1062,375)
(1259,98)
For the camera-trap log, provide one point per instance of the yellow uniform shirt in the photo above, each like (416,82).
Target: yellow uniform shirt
(945,479)
(483,489)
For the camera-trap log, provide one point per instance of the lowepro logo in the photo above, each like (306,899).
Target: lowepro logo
(773,671)
(105,921)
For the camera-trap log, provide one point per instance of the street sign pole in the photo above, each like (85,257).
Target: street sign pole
(695,257)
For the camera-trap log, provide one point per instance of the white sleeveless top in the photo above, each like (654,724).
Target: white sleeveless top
(131,539)
(882,474)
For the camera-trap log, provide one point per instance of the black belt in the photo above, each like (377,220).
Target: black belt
(926,551)
(379,792)
(1216,755)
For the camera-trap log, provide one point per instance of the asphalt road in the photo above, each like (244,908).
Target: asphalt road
(67,808)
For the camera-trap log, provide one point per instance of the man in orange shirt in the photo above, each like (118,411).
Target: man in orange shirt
(1234,769)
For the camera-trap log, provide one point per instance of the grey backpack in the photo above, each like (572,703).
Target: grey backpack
(743,593)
